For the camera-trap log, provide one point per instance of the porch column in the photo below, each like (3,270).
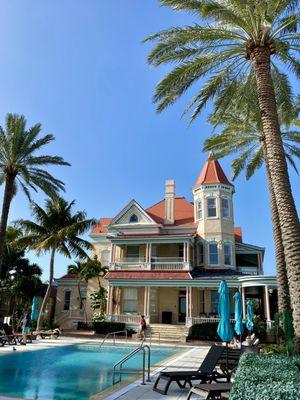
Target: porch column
(112,253)
(188,252)
(184,252)
(244,303)
(267,304)
(150,252)
(147,303)
(109,300)
(191,303)
(187,302)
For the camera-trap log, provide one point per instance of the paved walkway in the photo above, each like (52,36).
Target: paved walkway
(134,391)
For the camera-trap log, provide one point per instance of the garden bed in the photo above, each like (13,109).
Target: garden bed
(266,377)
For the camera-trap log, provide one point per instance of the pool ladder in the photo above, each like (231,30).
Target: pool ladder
(118,371)
(114,336)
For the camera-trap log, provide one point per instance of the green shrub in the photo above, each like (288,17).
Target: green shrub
(265,377)
(106,327)
(274,349)
(205,331)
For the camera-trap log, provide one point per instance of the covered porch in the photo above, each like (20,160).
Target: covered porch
(186,302)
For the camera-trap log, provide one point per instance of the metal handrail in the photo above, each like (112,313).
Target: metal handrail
(143,347)
(154,333)
(114,335)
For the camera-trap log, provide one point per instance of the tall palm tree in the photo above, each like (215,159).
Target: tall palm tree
(242,134)
(234,40)
(86,270)
(22,165)
(56,229)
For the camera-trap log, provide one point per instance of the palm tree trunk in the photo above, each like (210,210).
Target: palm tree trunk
(7,197)
(46,298)
(284,302)
(288,218)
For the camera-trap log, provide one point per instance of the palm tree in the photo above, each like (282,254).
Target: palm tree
(242,134)
(86,270)
(56,229)
(20,165)
(239,40)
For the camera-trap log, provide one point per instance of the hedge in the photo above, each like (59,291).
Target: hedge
(106,327)
(266,377)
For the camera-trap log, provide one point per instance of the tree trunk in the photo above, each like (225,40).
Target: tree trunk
(7,197)
(284,302)
(46,298)
(288,218)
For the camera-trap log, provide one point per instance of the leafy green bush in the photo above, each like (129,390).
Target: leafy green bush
(205,331)
(106,327)
(274,349)
(265,377)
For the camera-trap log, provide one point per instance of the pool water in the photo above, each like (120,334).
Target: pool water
(67,372)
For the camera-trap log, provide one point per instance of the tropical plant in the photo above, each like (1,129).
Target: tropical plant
(241,133)
(86,270)
(56,229)
(21,165)
(239,40)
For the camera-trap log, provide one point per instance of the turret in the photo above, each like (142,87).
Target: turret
(213,208)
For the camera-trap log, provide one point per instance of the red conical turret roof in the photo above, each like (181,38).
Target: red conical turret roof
(212,172)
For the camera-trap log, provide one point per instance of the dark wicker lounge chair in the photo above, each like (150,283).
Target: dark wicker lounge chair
(205,373)
(9,337)
(214,390)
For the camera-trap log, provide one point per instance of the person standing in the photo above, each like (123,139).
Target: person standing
(25,323)
(143,327)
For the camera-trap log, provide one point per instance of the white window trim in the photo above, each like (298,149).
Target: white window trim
(206,206)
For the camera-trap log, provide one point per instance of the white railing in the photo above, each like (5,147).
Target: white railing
(169,266)
(130,260)
(125,318)
(203,320)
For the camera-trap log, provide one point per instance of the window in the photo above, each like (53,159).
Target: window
(130,300)
(199,213)
(202,302)
(133,252)
(67,300)
(214,300)
(225,208)
(227,254)
(133,219)
(213,254)
(200,253)
(83,298)
(211,207)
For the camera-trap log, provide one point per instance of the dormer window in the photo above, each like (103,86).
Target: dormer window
(211,207)
(133,219)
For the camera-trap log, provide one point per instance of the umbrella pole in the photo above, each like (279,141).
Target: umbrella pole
(227,372)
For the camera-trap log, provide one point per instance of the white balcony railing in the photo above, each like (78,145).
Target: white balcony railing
(157,264)
(124,318)
(203,320)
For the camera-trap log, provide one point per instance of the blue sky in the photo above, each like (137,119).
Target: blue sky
(79,67)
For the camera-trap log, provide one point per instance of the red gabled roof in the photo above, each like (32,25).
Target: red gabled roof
(212,172)
(183,212)
(238,234)
(149,275)
(101,226)
(68,276)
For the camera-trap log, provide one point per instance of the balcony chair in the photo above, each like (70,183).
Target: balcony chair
(205,373)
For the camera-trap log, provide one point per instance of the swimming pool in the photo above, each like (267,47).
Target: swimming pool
(67,372)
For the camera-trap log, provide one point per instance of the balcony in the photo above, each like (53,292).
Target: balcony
(156,264)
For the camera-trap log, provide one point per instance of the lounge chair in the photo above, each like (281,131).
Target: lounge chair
(213,390)
(9,337)
(205,373)
(50,334)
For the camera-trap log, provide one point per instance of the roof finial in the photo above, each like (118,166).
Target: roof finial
(210,155)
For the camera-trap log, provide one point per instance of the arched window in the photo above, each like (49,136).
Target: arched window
(213,253)
(133,219)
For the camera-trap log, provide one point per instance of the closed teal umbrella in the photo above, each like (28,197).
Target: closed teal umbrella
(249,323)
(238,313)
(225,330)
(34,308)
